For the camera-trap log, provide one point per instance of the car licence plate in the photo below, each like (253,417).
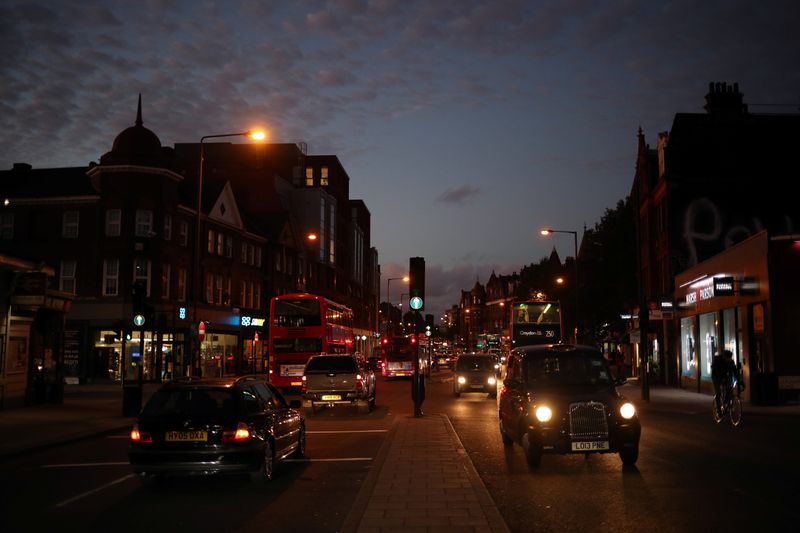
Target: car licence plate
(186,436)
(331,397)
(588,446)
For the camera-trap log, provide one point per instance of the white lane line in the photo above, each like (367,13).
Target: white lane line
(329,460)
(79,465)
(98,489)
(350,431)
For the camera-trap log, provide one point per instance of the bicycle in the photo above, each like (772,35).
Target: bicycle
(730,404)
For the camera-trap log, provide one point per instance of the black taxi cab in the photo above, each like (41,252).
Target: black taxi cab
(562,399)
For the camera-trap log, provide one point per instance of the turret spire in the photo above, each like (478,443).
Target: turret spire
(139,111)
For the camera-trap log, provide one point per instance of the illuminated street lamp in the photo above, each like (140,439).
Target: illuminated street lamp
(389,302)
(257,135)
(547,231)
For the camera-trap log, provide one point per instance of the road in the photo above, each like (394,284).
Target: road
(692,475)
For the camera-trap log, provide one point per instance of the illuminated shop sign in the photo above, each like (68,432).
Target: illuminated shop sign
(248,321)
(723,286)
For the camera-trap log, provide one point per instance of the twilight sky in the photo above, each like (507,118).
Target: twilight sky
(464,125)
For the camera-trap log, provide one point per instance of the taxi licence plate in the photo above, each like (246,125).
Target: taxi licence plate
(331,397)
(186,436)
(296,383)
(588,446)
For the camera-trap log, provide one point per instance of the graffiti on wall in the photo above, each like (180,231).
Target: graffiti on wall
(708,229)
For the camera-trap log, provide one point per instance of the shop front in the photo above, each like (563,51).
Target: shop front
(736,301)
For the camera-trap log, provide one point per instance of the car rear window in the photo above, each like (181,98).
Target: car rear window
(331,363)
(467,364)
(196,402)
(556,369)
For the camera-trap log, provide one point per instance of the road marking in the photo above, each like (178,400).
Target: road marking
(350,431)
(98,489)
(329,460)
(78,465)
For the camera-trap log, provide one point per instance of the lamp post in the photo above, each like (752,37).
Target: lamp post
(257,135)
(548,231)
(389,304)
(402,320)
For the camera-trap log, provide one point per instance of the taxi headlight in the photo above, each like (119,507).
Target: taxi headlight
(627,410)
(543,413)
(461,380)
(491,381)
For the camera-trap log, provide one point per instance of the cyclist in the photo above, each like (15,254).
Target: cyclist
(723,372)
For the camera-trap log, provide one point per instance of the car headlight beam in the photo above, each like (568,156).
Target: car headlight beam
(543,413)
(627,410)
(491,381)
(461,380)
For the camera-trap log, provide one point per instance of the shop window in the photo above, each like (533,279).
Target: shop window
(688,348)
(708,343)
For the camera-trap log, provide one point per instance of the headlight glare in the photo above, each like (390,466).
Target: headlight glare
(461,380)
(627,410)
(491,381)
(543,413)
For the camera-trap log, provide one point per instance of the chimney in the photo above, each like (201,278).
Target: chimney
(724,100)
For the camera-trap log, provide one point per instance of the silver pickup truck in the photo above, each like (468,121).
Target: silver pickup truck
(338,380)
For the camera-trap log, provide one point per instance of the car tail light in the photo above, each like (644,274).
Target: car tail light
(304,385)
(359,382)
(240,434)
(140,436)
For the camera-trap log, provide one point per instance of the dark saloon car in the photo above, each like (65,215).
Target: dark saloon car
(562,398)
(212,426)
(475,373)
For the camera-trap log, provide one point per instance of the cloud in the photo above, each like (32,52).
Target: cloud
(459,195)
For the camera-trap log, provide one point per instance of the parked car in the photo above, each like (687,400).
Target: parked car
(338,380)
(475,372)
(562,399)
(213,426)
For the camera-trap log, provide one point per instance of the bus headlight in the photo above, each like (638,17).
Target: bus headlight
(491,381)
(627,410)
(543,413)
(461,380)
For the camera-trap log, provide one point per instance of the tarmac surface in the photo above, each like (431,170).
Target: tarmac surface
(425,448)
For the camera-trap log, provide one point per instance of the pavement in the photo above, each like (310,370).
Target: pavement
(418,452)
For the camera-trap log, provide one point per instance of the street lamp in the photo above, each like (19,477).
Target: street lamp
(258,135)
(547,231)
(389,303)
(401,310)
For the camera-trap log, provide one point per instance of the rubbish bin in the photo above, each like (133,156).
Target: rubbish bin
(131,400)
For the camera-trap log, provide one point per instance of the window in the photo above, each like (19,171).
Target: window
(242,293)
(167,227)
(166,271)
(113,222)
(226,296)
(69,227)
(141,272)
(244,252)
(688,350)
(111,277)
(309,177)
(257,296)
(7,226)
(220,243)
(708,343)
(181,289)
(66,282)
(228,246)
(209,288)
(258,256)
(250,286)
(210,242)
(218,289)
(144,223)
(323,178)
(251,252)
(183,233)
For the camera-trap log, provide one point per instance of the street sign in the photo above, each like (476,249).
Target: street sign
(415,303)
(201,331)
(138,320)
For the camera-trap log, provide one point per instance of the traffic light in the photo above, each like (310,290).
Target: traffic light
(416,281)
(429,322)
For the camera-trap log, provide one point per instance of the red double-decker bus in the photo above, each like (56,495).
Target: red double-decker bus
(397,358)
(302,325)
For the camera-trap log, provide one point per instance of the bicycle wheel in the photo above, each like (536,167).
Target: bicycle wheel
(735,410)
(714,412)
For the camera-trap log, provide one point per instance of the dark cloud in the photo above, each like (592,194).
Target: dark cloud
(459,195)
